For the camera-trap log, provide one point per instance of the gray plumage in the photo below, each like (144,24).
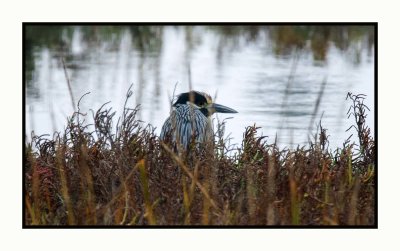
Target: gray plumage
(185,123)
(190,120)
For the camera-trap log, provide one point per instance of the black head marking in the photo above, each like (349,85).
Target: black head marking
(196,97)
(205,112)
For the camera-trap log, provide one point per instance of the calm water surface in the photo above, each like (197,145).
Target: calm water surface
(276,92)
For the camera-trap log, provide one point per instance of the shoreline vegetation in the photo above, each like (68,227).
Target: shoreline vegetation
(124,176)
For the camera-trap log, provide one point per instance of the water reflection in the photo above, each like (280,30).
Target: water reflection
(271,74)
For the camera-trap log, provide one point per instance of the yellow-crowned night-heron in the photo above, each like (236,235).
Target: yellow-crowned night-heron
(189,119)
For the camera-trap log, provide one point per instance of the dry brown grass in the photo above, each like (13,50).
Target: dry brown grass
(128,177)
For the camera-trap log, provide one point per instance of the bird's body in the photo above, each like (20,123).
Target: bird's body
(190,120)
(186,123)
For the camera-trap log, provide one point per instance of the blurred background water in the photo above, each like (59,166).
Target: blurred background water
(272,75)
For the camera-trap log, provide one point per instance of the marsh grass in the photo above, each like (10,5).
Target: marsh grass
(124,175)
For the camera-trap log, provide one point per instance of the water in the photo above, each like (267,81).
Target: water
(275,91)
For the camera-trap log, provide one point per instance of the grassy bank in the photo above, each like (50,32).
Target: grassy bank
(126,176)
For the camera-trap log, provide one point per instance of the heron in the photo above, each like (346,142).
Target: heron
(190,120)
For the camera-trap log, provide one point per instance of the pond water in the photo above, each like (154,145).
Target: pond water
(270,80)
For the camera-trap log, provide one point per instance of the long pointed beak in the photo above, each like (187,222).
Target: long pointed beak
(222,108)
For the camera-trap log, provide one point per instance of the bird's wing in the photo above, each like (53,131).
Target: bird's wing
(186,122)
(192,125)
(166,129)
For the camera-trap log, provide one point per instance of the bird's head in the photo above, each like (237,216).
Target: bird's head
(203,102)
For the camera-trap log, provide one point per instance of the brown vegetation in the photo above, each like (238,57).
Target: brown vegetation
(128,177)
